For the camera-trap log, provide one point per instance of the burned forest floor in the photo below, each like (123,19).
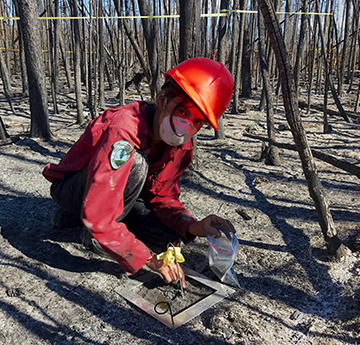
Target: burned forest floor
(54,291)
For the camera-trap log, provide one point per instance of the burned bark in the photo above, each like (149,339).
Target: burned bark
(272,153)
(151,35)
(220,133)
(4,136)
(6,81)
(238,68)
(35,69)
(77,61)
(293,117)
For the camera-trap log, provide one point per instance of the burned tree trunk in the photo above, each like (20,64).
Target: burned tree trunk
(4,136)
(323,53)
(246,65)
(101,51)
(6,81)
(151,39)
(66,63)
(316,190)
(220,133)
(133,40)
(77,61)
(238,70)
(272,152)
(169,30)
(24,80)
(300,48)
(188,21)
(35,69)
(53,63)
(186,24)
(345,47)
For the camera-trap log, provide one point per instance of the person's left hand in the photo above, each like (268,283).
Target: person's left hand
(209,226)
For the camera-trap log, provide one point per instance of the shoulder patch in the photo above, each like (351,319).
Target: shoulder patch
(120,153)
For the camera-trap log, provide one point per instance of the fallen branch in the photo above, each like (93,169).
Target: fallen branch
(320,107)
(339,163)
(6,141)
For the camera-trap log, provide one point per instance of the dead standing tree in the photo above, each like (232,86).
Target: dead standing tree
(151,35)
(4,136)
(186,26)
(326,66)
(238,65)
(6,81)
(220,133)
(333,242)
(189,40)
(35,69)
(77,62)
(271,152)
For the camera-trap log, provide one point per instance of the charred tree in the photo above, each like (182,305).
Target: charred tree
(345,47)
(66,63)
(77,62)
(246,64)
(35,69)
(220,133)
(151,38)
(24,79)
(324,56)
(6,81)
(53,64)
(353,48)
(186,25)
(271,153)
(300,47)
(234,38)
(4,136)
(316,190)
(238,68)
(169,30)
(189,36)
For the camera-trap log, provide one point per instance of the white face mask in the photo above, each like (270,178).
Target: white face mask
(169,136)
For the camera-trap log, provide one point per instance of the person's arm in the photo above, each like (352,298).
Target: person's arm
(172,212)
(104,202)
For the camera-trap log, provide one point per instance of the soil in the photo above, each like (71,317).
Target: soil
(157,291)
(53,291)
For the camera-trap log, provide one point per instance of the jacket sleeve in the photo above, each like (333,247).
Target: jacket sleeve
(165,192)
(104,202)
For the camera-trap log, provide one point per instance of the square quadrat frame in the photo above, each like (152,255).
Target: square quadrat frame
(220,291)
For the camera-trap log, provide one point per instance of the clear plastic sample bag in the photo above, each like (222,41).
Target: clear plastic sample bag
(221,255)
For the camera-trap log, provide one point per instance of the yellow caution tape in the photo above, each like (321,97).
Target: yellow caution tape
(310,13)
(168,257)
(222,13)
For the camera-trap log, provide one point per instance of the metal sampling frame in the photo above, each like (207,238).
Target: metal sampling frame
(220,291)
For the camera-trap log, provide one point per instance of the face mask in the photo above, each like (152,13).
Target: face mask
(168,135)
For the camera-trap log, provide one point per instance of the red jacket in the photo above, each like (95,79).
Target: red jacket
(103,200)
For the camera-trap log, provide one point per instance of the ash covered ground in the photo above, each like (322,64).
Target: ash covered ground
(53,291)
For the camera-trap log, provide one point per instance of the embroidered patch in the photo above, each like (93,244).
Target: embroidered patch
(121,152)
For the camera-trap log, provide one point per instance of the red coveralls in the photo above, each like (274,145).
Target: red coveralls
(103,200)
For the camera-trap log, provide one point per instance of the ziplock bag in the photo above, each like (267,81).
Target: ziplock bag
(221,255)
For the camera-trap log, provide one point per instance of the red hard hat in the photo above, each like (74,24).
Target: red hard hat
(208,83)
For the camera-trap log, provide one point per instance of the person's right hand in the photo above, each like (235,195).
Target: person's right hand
(168,272)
